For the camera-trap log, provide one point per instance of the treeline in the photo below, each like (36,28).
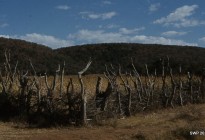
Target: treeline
(23,51)
(46,60)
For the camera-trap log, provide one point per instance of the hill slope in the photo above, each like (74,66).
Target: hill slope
(191,58)
(76,57)
(23,51)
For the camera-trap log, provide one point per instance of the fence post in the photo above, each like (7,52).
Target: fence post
(83,95)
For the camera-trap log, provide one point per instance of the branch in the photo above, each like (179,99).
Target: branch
(85,69)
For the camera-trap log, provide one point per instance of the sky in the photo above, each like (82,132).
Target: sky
(63,23)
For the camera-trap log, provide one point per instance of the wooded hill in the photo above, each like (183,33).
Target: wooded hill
(45,59)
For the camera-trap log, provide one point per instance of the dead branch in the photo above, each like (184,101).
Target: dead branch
(83,94)
(127,90)
(61,79)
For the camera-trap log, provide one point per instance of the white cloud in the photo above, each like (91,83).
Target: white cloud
(180,17)
(108,15)
(173,33)
(89,15)
(47,40)
(112,26)
(107,2)
(178,14)
(109,26)
(202,39)
(154,7)
(130,31)
(5,36)
(62,7)
(100,36)
(97,36)
(160,40)
(3,25)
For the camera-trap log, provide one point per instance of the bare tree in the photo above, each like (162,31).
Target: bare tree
(180,87)
(62,79)
(190,83)
(203,85)
(127,90)
(83,94)
(8,78)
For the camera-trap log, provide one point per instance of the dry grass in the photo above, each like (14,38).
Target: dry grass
(90,82)
(159,125)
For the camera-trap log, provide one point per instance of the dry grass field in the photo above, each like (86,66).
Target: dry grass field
(166,124)
(150,121)
(90,82)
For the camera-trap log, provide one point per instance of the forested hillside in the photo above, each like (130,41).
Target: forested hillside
(23,51)
(46,60)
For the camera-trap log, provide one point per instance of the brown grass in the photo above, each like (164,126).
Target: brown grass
(159,125)
(90,82)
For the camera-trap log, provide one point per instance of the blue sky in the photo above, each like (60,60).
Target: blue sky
(62,23)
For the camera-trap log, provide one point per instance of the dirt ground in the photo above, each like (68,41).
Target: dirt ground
(159,125)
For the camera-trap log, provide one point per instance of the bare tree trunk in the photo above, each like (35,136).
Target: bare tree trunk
(112,87)
(137,82)
(180,87)
(62,79)
(150,86)
(203,86)
(38,86)
(98,86)
(173,89)
(8,78)
(190,76)
(164,97)
(51,90)
(119,102)
(99,96)
(84,101)
(128,92)
(83,95)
